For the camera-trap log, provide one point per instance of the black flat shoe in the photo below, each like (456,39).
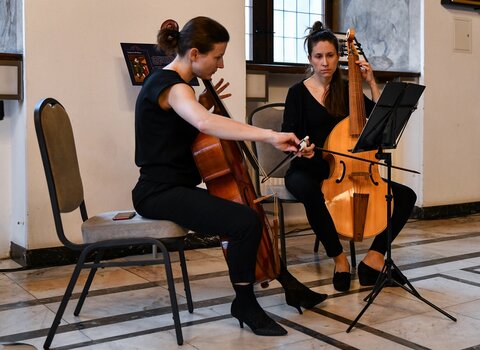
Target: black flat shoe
(341,281)
(255,318)
(368,276)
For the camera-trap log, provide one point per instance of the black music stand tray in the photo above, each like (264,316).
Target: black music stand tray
(382,131)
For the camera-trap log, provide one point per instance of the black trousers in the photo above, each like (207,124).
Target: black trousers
(195,209)
(306,187)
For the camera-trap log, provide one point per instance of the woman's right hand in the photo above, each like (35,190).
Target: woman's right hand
(284,141)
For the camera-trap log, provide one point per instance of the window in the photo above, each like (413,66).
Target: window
(275,29)
(249,29)
(291,18)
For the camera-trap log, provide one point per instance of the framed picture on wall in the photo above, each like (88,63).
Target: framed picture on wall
(142,59)
(473,5)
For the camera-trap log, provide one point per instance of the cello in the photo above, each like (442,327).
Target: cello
(225,174)
(354,191)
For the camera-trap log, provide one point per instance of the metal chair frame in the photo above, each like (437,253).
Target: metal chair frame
(96,250)
(282,201)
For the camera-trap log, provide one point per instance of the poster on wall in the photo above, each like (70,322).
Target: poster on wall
(143,59)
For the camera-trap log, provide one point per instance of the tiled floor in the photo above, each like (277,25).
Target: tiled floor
(128,308)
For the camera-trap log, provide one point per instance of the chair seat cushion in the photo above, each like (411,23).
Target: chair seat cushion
(102,227)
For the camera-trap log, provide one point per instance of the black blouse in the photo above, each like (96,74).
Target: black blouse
(304,115)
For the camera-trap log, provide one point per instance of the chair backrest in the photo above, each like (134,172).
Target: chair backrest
(269,116)
(59,156)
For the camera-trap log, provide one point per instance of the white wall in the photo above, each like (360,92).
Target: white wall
(5,178)
(72,53)
(451,168)
(11,41)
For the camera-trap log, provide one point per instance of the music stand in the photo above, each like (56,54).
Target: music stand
(382,131)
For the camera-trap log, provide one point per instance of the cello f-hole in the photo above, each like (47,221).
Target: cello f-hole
(371,175)
(343,172)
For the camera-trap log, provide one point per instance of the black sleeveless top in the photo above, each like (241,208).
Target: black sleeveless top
(163,139)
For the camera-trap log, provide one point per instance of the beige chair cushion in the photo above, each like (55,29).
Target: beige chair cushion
(102,227)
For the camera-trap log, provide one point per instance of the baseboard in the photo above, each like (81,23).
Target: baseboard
(445,211)
(57,256)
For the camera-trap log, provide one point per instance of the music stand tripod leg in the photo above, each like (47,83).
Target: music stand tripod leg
(385,278)
(381,281)
(411,289)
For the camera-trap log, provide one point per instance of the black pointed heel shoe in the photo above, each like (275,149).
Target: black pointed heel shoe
(297,294)
(341,281)
(255,318)
(303,297)
(368,276)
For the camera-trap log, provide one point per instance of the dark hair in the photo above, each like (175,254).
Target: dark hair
(335,95)
(199,32)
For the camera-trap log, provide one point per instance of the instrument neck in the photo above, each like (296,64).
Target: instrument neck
(219,107)
(357,112)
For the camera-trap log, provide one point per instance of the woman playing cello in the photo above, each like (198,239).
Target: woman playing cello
(314,107)
(168,118)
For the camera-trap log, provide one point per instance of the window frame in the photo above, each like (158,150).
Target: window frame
(262,32)
(262,46)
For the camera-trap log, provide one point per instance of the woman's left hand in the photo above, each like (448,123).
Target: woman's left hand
(367,74)
(207,101)
(308,151)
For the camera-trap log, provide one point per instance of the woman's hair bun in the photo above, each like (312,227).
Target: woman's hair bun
(316,27)
(168,36)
